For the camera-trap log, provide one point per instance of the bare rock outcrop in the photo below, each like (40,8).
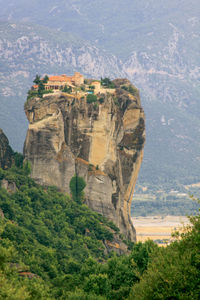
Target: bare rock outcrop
(6,152)
(1,214)
(102,142)
(9,186)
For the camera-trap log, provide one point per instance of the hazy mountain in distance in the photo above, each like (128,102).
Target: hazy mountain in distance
(153,43)
(107,22)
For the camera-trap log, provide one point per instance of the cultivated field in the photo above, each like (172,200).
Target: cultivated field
(158,228)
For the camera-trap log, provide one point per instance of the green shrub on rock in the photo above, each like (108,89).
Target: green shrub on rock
(77,185)
(91,98)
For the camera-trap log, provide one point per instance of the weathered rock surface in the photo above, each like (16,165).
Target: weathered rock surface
(103,143)
(6,153)
(1,213)
(9,186)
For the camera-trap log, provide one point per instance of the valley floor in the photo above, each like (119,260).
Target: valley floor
(158,228)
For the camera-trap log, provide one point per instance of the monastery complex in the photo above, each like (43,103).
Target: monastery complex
(59,82)
(75,82)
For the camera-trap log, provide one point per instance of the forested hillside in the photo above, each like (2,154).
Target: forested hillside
(55,248)
(51,237)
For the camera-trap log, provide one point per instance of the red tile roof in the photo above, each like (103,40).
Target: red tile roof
(57,78)
(65,78)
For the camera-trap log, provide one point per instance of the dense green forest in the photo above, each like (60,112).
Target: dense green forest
(53,247)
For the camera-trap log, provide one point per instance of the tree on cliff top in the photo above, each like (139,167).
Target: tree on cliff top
(77,185)
(107,83)
(40,82)
(37,79)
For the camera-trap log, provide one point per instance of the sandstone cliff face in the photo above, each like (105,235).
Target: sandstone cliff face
(102,143)
(6,153)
